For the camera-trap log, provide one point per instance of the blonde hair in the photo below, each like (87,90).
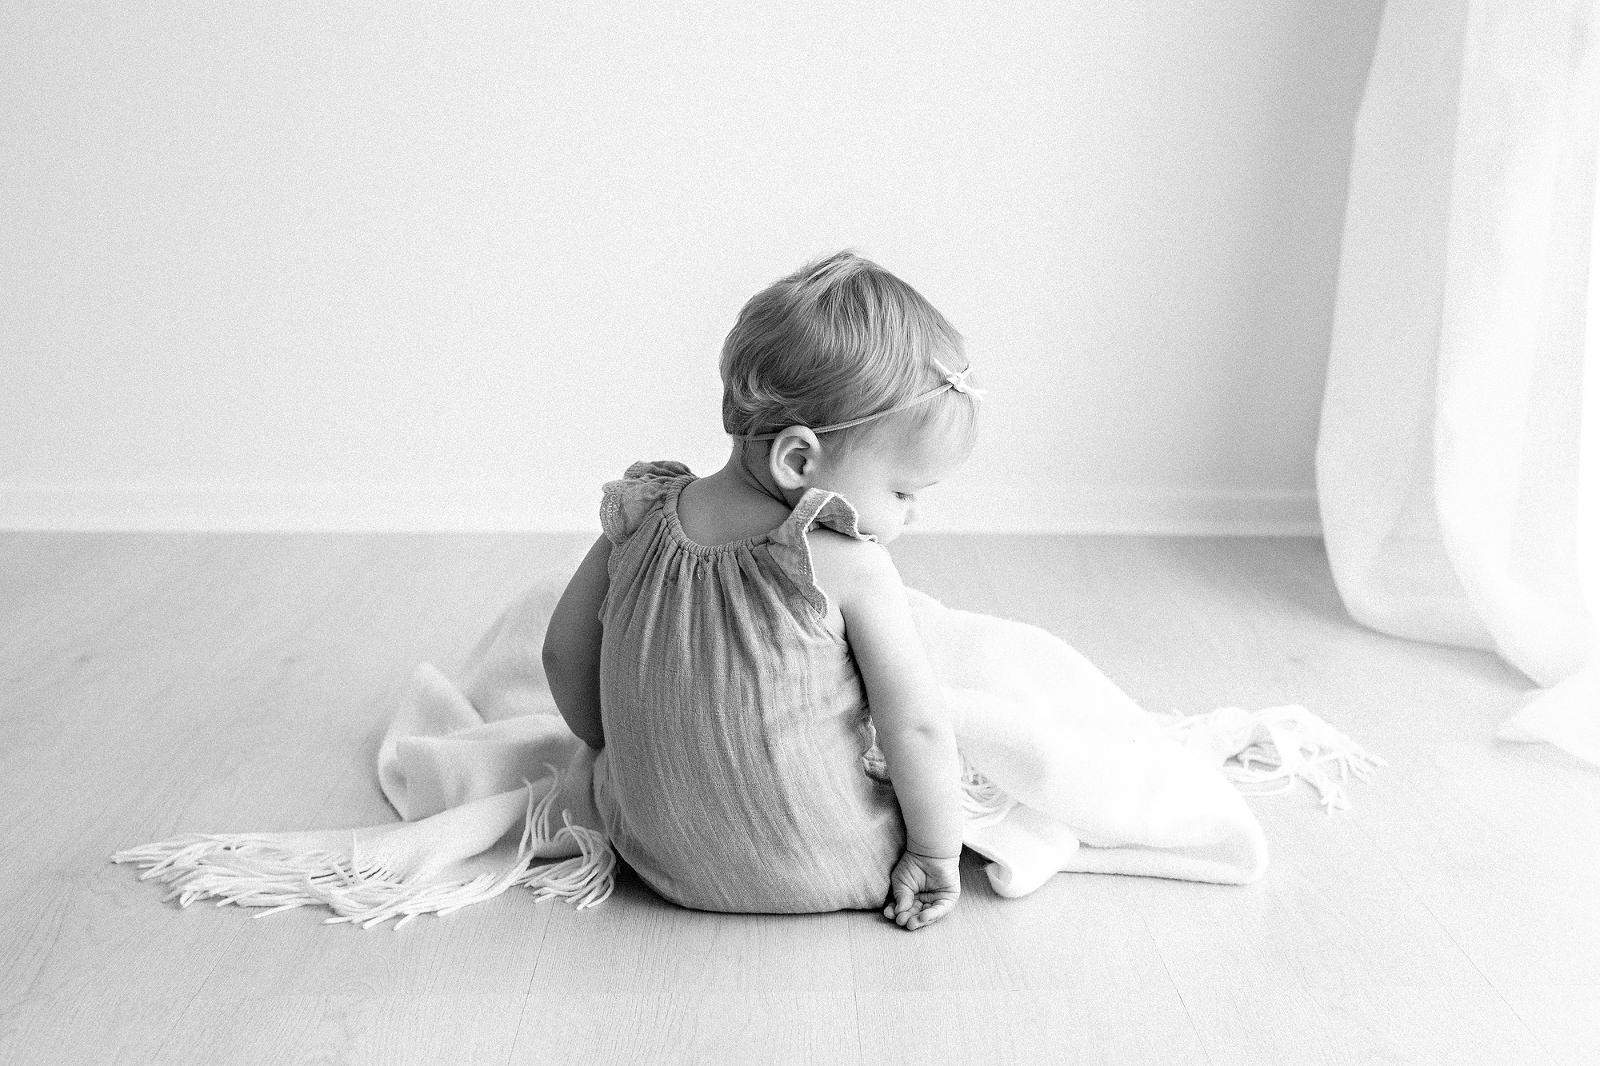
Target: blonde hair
(839,339)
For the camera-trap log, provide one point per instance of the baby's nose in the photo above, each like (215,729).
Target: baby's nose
(911,514)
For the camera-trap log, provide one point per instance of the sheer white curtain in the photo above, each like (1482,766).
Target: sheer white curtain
(1458,464)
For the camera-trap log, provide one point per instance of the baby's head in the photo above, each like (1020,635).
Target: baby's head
(838,344)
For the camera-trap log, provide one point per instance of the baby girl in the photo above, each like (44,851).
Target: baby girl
(732,644)
(756,721)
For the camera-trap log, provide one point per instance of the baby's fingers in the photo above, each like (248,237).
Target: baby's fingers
(905,898)
(930,913)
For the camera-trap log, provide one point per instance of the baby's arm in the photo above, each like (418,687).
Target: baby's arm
(913,724)
(572,646)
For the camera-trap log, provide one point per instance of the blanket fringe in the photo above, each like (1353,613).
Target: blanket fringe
(1278,744)
(586,879)
(254,870)
(982,801)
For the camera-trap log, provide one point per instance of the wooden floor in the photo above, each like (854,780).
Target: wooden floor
(158,684)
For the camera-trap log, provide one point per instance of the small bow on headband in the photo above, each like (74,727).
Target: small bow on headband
(958,381)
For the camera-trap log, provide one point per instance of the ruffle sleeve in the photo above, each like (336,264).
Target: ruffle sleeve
(625,503)
(792,550)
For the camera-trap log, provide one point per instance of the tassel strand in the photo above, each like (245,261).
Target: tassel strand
(1265,751)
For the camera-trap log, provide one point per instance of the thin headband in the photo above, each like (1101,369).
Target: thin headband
(954,381)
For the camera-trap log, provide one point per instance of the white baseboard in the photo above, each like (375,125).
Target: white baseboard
(472,508)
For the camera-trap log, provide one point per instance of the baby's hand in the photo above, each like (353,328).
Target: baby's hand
(922,889)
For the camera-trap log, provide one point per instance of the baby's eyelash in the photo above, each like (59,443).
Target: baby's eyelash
(906,495)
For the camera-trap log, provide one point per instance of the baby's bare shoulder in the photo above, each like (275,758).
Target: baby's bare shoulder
(849,569)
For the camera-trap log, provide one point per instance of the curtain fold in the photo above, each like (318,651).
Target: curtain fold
(1458,468)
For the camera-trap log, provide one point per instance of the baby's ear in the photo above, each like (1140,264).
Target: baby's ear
(792,462)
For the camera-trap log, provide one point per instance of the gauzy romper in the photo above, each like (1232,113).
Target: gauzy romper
(735,719)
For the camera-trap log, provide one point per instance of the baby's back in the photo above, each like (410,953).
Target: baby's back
(735,719)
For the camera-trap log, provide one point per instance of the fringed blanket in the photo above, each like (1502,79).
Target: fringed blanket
(1063,772)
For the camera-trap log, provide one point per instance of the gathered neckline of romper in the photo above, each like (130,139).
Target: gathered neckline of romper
(681,541)
(680,538)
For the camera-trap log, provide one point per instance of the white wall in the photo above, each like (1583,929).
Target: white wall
(435,266)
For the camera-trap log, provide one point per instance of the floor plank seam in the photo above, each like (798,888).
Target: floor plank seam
(1550,1054)
(527,993)
(1189,1017)
(1400,876)
(184,1013)
(855,991)
(538,952)
(1527,1029)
